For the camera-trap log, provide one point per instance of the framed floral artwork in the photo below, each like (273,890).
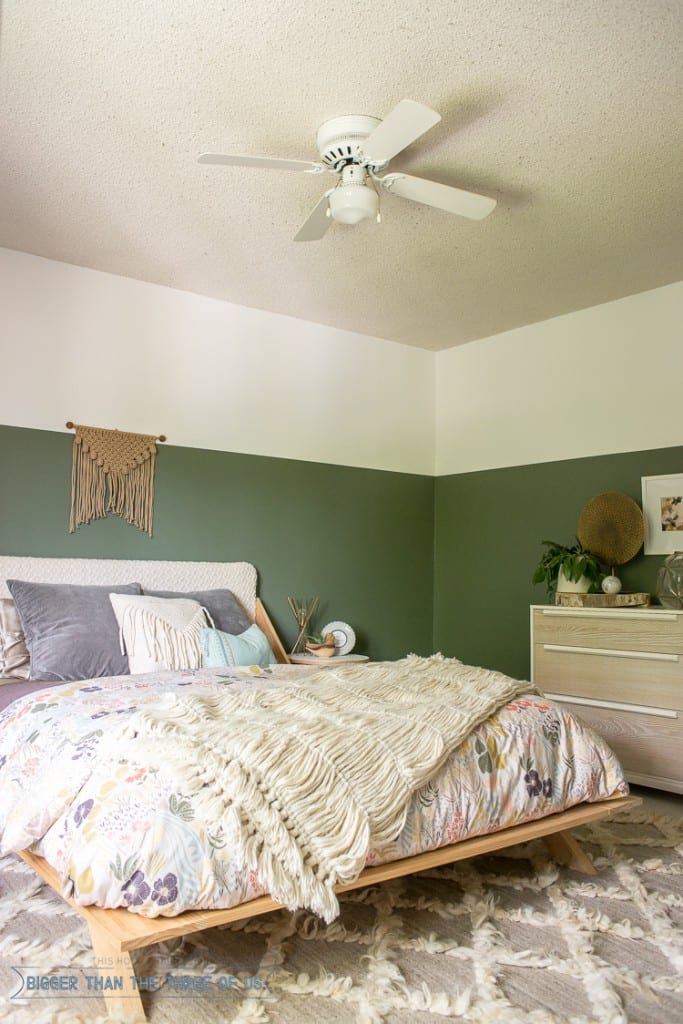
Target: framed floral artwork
(663,513)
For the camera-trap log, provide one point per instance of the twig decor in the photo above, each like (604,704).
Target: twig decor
(302,610)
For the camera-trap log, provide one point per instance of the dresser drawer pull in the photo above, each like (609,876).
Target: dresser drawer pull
(566,613)
(614,705)
(608,653)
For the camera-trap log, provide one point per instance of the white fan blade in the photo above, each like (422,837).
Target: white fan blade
(405,123)
(443,197)
(318,221)
(261,161)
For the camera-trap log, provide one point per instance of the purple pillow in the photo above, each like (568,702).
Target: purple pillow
(71,631)
(222,605)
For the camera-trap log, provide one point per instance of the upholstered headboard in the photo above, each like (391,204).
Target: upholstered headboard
(239,577)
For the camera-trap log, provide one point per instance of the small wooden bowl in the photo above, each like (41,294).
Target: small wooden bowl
(321,650)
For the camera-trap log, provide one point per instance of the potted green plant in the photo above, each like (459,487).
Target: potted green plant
(574,562)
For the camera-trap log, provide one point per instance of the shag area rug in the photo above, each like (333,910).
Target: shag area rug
(508,939)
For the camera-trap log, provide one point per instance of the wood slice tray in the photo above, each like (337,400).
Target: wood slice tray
(567,600)
(337,659)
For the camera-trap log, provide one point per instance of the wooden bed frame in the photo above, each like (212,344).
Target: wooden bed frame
(115,933)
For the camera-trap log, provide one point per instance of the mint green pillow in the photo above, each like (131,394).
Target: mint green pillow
(221,650)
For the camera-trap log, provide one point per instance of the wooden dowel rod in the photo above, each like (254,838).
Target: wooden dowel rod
(70,426)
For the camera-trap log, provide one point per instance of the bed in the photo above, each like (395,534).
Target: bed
(529,770)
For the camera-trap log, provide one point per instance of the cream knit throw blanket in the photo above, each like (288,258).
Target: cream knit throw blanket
(303,779)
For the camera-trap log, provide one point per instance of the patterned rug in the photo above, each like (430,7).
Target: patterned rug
(509,939)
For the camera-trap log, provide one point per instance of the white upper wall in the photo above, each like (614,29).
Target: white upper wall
(109,351)
(599,381)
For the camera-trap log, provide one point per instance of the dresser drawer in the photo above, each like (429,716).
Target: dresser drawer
(621,671)
(637,630)
(649,747)
(632,677)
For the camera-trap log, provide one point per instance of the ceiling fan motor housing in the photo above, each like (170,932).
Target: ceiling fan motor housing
(340,139)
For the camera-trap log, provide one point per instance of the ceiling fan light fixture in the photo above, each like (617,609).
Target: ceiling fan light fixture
(349,204)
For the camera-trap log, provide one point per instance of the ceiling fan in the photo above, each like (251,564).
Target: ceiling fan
(355,148)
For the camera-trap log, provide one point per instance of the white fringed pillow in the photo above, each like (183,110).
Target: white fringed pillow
(158,632)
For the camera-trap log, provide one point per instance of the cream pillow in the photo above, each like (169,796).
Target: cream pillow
(14,656)
(159,633)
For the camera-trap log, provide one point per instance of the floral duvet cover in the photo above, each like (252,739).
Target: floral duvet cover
(120,835)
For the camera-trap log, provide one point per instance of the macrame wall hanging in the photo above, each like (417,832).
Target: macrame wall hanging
(112,471)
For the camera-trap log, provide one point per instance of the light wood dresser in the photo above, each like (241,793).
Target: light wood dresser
(621,671)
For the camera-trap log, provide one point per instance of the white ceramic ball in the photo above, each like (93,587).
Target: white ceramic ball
(611,585)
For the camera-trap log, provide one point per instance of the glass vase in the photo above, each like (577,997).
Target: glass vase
(670,581)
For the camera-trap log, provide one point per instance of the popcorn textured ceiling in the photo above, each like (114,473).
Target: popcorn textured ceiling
(568,114)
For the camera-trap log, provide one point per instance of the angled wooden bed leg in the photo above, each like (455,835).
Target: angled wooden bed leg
(114,963)
(566,850)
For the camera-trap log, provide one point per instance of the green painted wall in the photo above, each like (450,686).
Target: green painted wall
(413,563)
(361,540)
(488,532)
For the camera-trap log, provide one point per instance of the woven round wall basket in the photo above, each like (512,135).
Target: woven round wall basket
(611,527)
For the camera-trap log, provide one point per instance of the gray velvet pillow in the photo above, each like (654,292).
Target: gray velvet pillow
(222,606)
(71,631)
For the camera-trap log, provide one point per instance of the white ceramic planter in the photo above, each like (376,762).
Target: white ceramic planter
(565,586)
